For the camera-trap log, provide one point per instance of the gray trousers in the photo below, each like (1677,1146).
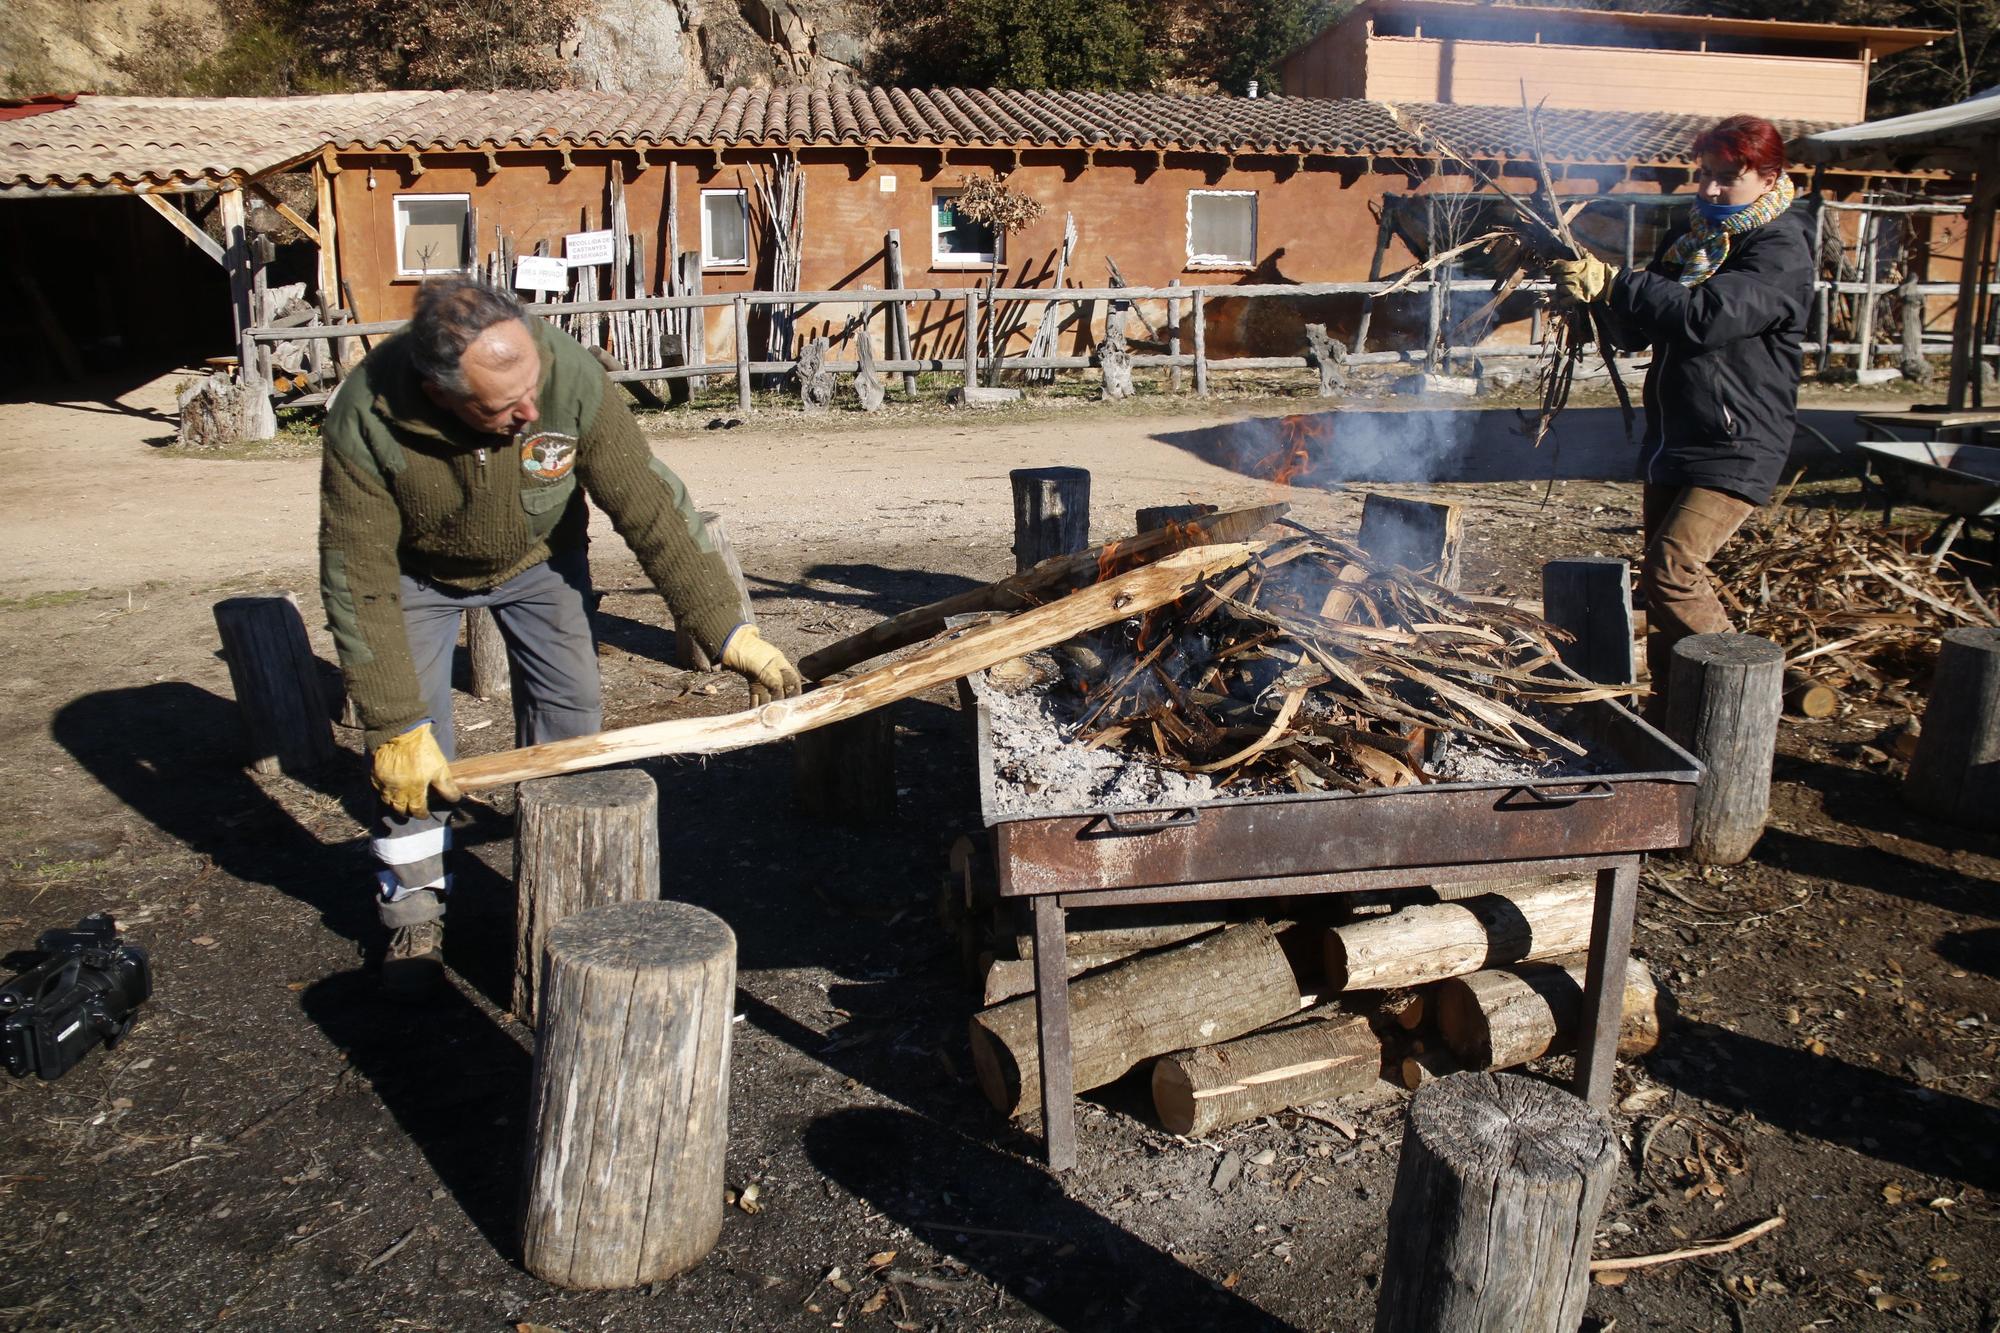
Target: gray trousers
(543,614)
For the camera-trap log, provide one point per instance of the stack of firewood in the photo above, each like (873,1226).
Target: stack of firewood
(1244,1018)
(1857,608)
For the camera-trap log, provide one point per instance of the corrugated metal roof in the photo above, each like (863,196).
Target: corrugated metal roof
(1949,138)
(139,140)
(166,140)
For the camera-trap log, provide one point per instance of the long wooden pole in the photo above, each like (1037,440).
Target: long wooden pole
(948,660)
(1022,589)
(742,355)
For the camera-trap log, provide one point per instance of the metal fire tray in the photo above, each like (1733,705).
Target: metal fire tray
(1640,800)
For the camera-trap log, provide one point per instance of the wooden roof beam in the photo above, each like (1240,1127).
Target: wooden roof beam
(286,211)
(181,223)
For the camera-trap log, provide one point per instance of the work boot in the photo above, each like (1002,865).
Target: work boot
(413,967)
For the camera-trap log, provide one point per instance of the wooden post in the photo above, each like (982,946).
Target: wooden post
(276,680)
(899,311)
(1724,696)
(1592,599)
(1383,231)
(1967,329)
(686,651)
(742,312)
(629,1120)
(971,341)
(579,841)
(695,342)
(1158,516)
(1823,286)
(1114,363)
(814,379)
(1422,536)
(1864,320)
(1051,513)
(486,653)
(1174,339)
(326,225)
(1955,773)
(1914,366)
(1200,343)
(869,390)
(1329,358)
(1500,1185)
(846,773)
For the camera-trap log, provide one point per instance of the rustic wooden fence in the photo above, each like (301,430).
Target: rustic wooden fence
(979,303)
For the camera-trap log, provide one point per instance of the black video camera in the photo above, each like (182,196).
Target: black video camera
(86,989)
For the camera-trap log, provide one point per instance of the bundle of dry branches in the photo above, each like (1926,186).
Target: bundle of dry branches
(1521,247)
(1852,602)
(1312,668)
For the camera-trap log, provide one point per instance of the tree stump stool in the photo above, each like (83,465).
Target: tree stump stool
(1051,513)
(276,680)
(486,655)
(630,1116)
(846,772)
(580,841)
(1592,599)
(1723,702)
(1501,1182)
(1955,773)
(686,650)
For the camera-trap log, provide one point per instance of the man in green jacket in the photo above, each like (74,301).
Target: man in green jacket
(456,461)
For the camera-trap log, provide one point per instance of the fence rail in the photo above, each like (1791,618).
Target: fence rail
(973,365)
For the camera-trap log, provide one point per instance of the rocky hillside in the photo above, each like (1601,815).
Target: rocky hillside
(624,45)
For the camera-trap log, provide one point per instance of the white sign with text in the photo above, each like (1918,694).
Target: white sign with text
(585,248)
(541,273)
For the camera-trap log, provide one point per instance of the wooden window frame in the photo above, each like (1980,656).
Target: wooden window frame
(402,226)
(709,262)
(1196,260)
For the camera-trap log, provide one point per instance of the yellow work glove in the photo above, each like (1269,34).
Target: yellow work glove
(408,768)
(1582,281)
(770,675)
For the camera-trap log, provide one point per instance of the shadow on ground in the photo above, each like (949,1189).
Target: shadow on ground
(1013,1224)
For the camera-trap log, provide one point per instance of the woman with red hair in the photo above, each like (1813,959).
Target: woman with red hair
(1723,306)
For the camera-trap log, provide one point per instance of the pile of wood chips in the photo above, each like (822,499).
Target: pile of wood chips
(1854,605)
(1313,668)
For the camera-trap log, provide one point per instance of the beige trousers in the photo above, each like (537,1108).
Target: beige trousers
(1685,526)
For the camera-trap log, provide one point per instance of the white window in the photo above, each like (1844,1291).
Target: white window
(959,242)
(725,229)
(430,233)
(1222,228)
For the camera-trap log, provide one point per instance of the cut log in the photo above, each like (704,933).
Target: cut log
(1592,600)
(1806,697)
(1159,516)
(1126,936)
(216,411)
(1217,987)
(486,655)
(1028,589)
(1955,773)
(1422,536)
(1327,1052)
(1051,513)
(687,652)
(1509,1016)
(947,660)
(1497,1194)
(1423,944)
(1723,704)
(846,773)
(276,681)
(579,842)
(629,1120)
(1422,1065)
(1008,977)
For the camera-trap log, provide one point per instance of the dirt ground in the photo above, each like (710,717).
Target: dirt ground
(275,1148)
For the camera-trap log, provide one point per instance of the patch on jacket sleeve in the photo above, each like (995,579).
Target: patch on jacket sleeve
(548,455)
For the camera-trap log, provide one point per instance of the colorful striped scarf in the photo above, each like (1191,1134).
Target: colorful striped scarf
(1705,245)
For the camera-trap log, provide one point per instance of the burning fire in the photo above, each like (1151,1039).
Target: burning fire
(1131,552)
(1294,456)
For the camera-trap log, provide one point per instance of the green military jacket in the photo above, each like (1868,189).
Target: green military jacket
(408,488)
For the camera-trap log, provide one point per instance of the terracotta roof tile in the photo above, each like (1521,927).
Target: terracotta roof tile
(129,139)
(160,140)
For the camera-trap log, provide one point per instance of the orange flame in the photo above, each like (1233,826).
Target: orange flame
(1130,552)
(1294,455)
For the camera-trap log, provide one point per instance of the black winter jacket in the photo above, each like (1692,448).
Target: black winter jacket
(1722,393)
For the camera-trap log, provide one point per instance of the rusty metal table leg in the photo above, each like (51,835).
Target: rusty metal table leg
(1604,981)
(1052,1026)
